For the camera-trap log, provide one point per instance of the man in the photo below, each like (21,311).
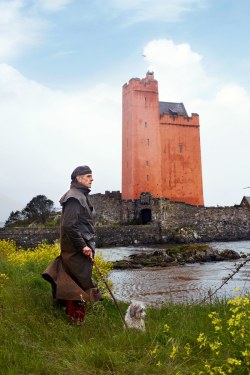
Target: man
(70,274)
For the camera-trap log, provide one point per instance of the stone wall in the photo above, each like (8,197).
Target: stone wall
(170,221)
(106,235)
(107,208)
(208,223)
(30,237)
(128,235)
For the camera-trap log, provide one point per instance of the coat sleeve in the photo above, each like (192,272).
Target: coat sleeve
(70,223)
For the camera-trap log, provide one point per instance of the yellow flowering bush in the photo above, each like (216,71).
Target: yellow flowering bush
(7,247)
(223,350)
(41,255)
(104,266)
(238,347)
(38,258)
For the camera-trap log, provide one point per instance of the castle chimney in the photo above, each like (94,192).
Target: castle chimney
(150,76)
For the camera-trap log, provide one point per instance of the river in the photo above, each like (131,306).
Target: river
(190,282)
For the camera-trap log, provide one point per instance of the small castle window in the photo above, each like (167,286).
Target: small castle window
(145,101)
(147,162)
(147,177)
(180,147)
(146,125)
(148,141)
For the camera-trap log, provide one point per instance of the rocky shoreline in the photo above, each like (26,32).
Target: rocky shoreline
(177,255)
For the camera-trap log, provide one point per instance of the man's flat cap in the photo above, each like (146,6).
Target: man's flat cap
(83,169)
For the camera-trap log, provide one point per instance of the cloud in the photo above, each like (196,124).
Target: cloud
(47,133)
(224,110)
(54,5)
(19,29)
(148,10)
(180,69)
(22,25)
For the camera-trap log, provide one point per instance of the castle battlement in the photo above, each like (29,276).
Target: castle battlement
(180,119)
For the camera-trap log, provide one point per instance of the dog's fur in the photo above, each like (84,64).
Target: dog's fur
(135,315)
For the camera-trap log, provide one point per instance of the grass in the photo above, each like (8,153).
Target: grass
(188,248)
(38,339)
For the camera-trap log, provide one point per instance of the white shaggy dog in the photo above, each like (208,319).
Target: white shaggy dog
(135,315)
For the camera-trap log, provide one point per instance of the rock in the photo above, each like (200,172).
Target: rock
(229,254)
(168,258)
(178,255)
(186,235)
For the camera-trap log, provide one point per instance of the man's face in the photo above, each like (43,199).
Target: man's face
(85,179)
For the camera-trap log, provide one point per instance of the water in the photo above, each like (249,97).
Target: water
(190,282)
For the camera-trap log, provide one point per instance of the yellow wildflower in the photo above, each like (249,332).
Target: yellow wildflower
(202,340)
(188,349)
(234,361)
(166,328)
(215,346)
(173,353)
(236,289)
(3,279)
(153,352)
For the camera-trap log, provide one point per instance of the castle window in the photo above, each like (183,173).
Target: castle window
(180,147)
(148,141)
(146,125)
(147,162)
(145,101)
(147,177)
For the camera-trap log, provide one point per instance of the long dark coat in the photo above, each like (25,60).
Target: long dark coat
(70,274)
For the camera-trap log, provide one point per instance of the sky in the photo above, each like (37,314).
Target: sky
(62,67)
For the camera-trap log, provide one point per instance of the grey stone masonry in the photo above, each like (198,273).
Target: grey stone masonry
(167,221)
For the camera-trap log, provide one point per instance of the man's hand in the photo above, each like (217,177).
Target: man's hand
(88,252)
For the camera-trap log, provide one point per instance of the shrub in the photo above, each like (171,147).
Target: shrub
(38,258)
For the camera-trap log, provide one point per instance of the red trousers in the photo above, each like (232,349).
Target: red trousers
(76,310)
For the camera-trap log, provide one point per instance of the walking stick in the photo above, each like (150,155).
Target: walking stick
(110,292)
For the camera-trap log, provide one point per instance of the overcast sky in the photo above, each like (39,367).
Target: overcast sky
(62,67)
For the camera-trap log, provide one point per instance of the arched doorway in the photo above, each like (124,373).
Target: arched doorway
(145,216)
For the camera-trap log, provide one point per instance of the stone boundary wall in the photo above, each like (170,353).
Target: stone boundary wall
(30,237)
(107,208)
(171,222)
(209,223)
(128,235)
(106,235)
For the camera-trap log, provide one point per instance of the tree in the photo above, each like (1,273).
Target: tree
(15,219)
(39,209)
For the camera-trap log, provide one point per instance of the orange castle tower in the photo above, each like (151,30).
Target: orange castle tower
(160,146)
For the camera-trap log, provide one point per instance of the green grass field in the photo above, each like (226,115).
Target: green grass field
(38,339)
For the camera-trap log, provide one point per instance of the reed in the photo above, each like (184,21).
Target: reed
(180,339)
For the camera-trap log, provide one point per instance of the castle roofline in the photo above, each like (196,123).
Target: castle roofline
(173,109)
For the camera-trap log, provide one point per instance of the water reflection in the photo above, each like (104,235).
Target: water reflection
(177,283)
